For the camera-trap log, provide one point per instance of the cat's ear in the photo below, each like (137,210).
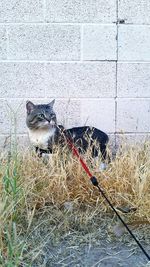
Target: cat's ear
(51,104)
(29,106)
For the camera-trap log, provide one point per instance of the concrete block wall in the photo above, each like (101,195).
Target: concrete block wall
(92,56)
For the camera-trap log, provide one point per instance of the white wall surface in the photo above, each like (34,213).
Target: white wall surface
(92,56)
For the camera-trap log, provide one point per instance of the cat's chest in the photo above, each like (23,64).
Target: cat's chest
(40,137)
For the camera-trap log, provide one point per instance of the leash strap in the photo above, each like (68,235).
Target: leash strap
(96,184)
(76,153)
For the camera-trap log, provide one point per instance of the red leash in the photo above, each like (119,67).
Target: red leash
(95,183)
(76,153)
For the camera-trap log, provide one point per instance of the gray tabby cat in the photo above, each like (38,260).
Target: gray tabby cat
(44,133)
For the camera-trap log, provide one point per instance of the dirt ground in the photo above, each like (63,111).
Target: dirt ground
(88,247)
(103,255)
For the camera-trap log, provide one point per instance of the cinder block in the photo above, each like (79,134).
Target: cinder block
(21,11)
(133,79)
(99,42)
(134,42)
(133,115)
(3,43)
(4,144)
(22,80)
(90,79)
(99,113)
(8,142)
(68,112)
(13,116)
(133,139)
(81,11)
(3,140)
(136,12)
(5,119)
(112,142)
(23,142)
(44,42)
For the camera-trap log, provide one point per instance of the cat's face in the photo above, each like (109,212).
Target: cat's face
(40,116)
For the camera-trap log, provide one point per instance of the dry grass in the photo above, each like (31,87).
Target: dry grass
(58,192)
(62,179)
